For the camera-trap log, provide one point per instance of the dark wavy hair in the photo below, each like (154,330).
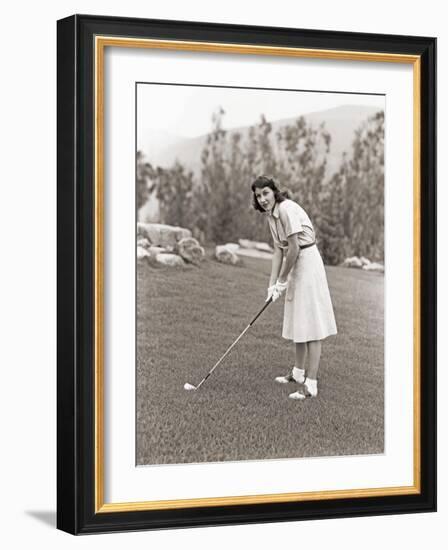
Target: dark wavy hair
(264,181)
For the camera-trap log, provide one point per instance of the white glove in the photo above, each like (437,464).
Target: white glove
(279,289)
(270,292)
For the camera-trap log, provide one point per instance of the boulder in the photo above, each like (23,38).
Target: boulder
(245,243)
(233,247)
(142,253)
(226,256)
(255,245)
(263,247)
(171,260)
(374,266)
(364,261)
(253,253)
(190,250)
(154,250)
(162,235)
(354,261)
(143,242)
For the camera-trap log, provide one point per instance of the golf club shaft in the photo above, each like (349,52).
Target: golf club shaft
(236,341)
(225,354)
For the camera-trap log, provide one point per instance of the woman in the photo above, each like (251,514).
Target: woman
(298,270)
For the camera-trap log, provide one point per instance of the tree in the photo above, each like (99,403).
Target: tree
(302,159)
(260,152)
(175,193)
(214,214)
(347,210)
(145,184)
(333,243)
(260,159)
(352,222)
(364,190)
(295,156)
(223,201)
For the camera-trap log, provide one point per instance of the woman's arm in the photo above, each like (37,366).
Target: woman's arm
(291,257)
(277,260)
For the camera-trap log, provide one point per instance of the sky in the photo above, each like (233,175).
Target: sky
(186,110)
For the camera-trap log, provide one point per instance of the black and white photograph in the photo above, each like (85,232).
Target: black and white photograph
(260,267)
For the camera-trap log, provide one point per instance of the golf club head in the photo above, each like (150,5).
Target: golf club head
(189,387)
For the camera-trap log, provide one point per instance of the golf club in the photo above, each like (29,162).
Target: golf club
(190,387)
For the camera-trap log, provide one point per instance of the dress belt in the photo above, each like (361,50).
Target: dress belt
(307,245)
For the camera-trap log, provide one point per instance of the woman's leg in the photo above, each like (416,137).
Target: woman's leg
(314,351)
(298,371)
(301,351)
(313,348)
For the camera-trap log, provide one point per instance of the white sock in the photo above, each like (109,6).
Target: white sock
(311,386)
(299,375)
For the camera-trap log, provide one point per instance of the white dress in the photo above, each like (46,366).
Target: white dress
(308,313)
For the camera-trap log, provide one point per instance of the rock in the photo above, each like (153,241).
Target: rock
(171,260)
(154,250)
(245,243)
(263,247)
(354,261)
(142,253)
(226,256)
(374,266)
(252,253)
(255,245)
(162,235)
(190,250)
(233,247)
(143,242)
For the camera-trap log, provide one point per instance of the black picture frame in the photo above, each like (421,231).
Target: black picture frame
(78,509)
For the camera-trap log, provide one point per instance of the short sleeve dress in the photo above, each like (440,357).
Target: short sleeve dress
(308,313)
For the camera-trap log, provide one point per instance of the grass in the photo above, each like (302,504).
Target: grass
(186,319)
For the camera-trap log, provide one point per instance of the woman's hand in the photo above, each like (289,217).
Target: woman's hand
(270,292)
(279,289)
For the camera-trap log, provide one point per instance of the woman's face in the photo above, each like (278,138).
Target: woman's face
(265,198)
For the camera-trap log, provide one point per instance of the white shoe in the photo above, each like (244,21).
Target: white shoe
(296,375)
(296,395)
(310,387)
(285,379)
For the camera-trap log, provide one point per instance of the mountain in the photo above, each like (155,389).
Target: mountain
(340,122)
(155,144)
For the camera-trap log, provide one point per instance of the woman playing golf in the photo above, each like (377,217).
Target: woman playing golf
(298,270)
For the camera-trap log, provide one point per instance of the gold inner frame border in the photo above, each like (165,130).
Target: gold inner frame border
(100,43)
